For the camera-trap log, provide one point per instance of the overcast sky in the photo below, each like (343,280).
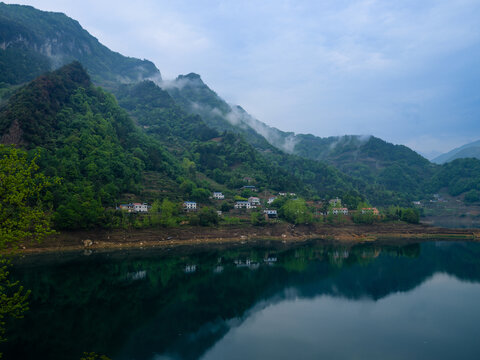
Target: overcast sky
(406,71)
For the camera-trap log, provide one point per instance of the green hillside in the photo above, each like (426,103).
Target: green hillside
(369,159)
(223,156)
(36,41)
(84,138)
(177,140)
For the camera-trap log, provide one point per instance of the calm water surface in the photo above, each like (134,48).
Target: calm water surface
(277,301)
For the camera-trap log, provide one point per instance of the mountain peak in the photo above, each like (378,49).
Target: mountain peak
(191,78)
(30,115)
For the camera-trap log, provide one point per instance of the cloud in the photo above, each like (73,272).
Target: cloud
(396,69)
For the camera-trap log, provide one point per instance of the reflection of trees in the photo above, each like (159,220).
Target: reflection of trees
(99,303)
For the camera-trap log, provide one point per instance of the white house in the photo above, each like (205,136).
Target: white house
(336,211)
(190,205)
(271,199)
(137,207)
(134,207)
(218,195)
(270,213)
(242,205)
(254,201)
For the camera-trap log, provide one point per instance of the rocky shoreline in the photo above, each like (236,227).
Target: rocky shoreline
(169,237)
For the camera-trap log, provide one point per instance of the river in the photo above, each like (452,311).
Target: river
(254,301)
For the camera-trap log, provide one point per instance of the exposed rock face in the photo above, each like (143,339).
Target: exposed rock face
(14,135)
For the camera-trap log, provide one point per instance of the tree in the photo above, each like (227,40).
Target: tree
(22,198)
(257,218)
(168,210)
(208,216)
(296,211)
(411,216)
(22,217)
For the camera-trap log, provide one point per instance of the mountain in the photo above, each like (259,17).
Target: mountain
(396,167)
(178,140)
(227,157)
(471,150)
(33,42)
(84,138)
(43,40)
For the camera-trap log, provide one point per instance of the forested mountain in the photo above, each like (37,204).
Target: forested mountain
(33,42)
(470,150)
(84,138)
(180,136)
(395,167)
(224,156)
(87,140)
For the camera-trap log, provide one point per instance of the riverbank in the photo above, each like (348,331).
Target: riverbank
(168,237)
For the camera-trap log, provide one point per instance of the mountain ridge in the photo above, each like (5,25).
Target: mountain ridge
(470,150)
(46,40)
(192,142)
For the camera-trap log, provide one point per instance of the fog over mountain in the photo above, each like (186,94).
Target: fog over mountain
(405,72)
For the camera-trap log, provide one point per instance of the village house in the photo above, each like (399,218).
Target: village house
(190,206)
(337,211)
(126,207)
(373,211)
(137,207)
(254,201)
(242,205)
(271,199)
(286,194)
(271,214)
(134,207)
(218,195)
(249,187)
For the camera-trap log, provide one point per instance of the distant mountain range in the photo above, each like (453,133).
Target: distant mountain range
(471,150)
(178,136)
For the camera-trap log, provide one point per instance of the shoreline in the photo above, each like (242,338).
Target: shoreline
(173,237)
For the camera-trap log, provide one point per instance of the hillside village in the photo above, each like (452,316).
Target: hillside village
(252,206)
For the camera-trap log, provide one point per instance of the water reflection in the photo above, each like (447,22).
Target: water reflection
(279,301)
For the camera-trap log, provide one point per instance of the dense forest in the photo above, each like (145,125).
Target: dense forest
(153,141)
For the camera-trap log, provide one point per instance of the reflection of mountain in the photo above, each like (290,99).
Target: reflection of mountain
(148,304)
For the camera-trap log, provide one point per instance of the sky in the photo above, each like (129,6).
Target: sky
(405,71)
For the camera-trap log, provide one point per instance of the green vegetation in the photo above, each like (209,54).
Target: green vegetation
(85,139)
(295,211)
(23,217)
(409,215)
(30,32)
(458,176)
(23,198)
(178,143)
